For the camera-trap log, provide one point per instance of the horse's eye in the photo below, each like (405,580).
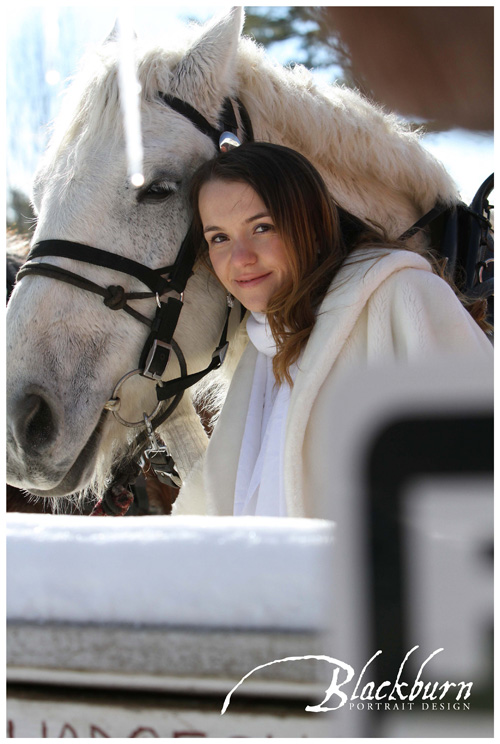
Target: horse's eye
(157,191)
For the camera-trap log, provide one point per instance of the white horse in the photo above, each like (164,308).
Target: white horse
(66,350)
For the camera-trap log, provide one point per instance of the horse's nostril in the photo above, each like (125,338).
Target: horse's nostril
(36,423)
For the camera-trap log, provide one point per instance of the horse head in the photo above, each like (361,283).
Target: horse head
(66,350)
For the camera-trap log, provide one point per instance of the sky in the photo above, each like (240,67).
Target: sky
(59,35)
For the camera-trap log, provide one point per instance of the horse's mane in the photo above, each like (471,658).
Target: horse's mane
(372,161)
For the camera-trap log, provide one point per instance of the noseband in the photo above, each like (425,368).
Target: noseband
(169,280)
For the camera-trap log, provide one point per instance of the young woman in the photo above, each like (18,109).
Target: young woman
(327,294)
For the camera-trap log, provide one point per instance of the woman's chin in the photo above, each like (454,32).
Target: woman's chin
(254,304)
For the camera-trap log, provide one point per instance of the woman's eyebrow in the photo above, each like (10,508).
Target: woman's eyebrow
(258,216)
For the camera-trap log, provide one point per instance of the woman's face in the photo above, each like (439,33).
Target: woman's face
(247,254)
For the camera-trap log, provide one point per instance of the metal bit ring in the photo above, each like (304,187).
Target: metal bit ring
(114,402)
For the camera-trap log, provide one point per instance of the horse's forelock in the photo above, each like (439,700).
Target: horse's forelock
(88,109)
(91,112)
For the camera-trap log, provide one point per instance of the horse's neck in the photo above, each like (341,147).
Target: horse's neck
(372,164)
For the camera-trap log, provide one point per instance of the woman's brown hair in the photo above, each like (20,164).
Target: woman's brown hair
(318,235)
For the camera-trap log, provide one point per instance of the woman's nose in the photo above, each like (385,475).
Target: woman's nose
(243,253)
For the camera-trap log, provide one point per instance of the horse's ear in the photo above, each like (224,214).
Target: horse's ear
(114,34)
(207,68)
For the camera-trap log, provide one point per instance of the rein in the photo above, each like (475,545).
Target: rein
(160,341)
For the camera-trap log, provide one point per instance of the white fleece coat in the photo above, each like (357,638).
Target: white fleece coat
(385,308)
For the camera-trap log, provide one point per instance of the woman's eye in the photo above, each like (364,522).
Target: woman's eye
(264,228)
(217,239)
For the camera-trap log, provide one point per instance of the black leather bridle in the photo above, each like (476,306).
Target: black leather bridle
(165,280)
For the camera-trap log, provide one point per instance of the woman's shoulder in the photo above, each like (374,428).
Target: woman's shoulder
(384,259)
(366,268)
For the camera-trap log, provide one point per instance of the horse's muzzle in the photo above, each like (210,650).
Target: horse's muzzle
(35,423)
(39,459)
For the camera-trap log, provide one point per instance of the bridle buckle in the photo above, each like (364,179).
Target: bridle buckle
(161,359)
(221,352)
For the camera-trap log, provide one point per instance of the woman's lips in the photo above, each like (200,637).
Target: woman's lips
(251,281)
